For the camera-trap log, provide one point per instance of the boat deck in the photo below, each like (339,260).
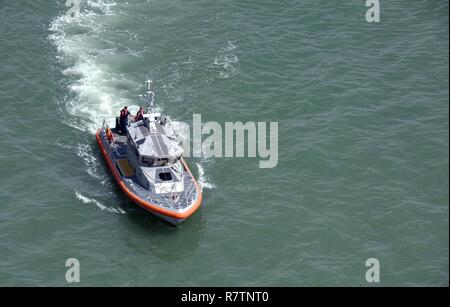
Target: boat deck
(118,149)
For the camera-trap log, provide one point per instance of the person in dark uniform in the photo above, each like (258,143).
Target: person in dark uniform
(139,115)
(124,113)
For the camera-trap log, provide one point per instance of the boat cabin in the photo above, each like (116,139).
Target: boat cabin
(152,143)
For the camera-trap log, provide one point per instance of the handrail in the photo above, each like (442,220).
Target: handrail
(190,189)
(184,197)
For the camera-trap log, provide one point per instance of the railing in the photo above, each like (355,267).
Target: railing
(181,200)
(177,171)
(164,202)
(186,195)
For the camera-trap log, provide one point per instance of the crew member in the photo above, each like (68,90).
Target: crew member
(139,115)
(124,113)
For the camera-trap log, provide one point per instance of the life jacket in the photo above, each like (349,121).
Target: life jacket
(139,116)
(123,114)
(109,134)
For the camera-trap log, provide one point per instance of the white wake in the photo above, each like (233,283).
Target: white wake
(87,200)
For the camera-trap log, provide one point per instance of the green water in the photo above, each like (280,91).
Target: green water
(363,141)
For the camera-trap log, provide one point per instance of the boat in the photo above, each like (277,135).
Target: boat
(147,162)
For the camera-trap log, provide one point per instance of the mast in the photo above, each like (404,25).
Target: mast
(149,96)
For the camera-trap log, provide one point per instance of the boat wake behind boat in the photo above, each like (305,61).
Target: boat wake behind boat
(146,159)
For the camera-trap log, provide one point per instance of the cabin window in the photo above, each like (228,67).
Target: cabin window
(148,161)
(165,176)
(164,161)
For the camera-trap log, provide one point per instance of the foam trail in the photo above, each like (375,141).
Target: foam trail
(86,54)
(84,151)
(202,178)
(87,200)
(227,61)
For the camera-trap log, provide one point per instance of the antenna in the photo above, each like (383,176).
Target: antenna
(150,96)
